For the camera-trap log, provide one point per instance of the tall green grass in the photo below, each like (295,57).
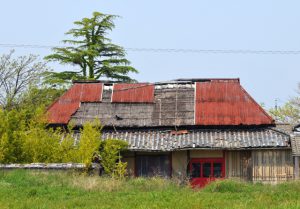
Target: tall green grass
(53,189)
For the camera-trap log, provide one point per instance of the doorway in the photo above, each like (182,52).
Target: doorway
(205,170)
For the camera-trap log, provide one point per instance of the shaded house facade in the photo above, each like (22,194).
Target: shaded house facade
(203,129)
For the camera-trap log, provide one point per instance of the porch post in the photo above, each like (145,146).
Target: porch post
(296,167)
(188,158)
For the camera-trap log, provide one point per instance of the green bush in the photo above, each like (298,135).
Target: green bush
(111,158)
(89,143)
(26,139)
(11,142)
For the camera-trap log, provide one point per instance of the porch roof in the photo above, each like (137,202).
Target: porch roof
(168,140)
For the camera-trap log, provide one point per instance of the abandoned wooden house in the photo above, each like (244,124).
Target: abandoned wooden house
(201,128)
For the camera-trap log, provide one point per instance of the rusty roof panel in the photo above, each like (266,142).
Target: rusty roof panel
(133,93)
(227,103)
(61,110)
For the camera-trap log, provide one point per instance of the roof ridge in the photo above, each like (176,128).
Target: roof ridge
(179,80)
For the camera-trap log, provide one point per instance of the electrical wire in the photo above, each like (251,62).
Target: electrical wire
(174,50)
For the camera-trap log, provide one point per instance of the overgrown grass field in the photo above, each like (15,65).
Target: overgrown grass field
(37,189)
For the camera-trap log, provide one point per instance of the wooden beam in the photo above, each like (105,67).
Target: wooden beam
(188,158)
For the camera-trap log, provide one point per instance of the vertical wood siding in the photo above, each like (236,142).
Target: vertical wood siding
(260,165)
(238,165)
(272,165)
(174,107)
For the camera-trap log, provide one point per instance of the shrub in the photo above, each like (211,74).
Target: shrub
(89,143)
(11,126)
(111,158)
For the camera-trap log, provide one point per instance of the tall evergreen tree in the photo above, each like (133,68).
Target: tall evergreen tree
(92,51)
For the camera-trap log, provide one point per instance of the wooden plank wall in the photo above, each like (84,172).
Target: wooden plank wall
(174,106)
(238,165)
(260,165)
(272,165)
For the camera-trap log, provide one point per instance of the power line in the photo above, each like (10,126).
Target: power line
(216,51)
(173,50)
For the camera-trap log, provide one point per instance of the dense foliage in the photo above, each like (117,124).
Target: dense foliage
(110,152)
(26,90)
(30,141)
(92,51)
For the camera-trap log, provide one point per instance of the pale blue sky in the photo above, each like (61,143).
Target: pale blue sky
(254,25)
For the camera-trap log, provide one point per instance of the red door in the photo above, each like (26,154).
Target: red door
(205,170)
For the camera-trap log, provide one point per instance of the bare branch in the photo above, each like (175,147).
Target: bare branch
(16,75)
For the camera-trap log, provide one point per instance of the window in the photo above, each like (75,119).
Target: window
(196,170)
(218,170)
(206,170)
(153,165)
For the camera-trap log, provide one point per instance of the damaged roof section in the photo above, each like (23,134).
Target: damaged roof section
(173,105)
(183,102)
(62,109)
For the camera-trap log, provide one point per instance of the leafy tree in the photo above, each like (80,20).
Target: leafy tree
(92,51)
(16,76)
(289,112)
(38,97)
(41,145)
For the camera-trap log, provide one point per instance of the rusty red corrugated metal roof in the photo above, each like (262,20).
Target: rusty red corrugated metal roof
(133,93)
(225,102)
(61,110)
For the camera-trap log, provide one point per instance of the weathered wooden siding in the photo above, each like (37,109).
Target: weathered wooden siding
(272,165)
(267,166)
(174,106)
(206,153)
(179,164)
(260,165)
(130,115)
(130,165)
(238,165)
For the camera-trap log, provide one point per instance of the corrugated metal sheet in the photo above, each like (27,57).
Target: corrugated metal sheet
(133,93)
(154,140)
(225,102)
(60,111)
(210,102)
